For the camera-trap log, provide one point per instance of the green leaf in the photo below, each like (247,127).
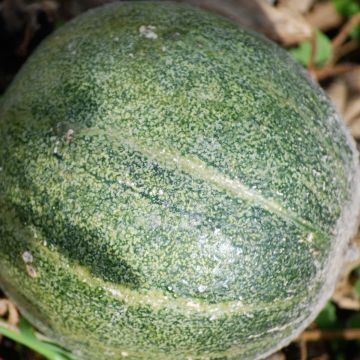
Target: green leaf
(340,356)
(327,318)
(59,23)
(346,7)
(355,32)
(357,287)
(353,321)
(302,53)
(26,328)
(25,335)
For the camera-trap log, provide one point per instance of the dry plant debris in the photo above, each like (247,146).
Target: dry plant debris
(344,90)
(22,27)
(345,295)
(282,23)
(323,16)
(9,311)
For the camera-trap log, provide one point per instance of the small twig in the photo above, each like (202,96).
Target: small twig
(32,24)
(328,71)
(313,42)
(31,27)
(345,30)
(321,357)
(303,350)
(316,335)
(344,49)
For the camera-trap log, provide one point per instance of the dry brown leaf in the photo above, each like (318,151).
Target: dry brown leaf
(353,80)
(345,295)
(338,93)
(355,128)
(300,6)
(7,308)
(277,356)
(323,16)
(279,23)
(352,111)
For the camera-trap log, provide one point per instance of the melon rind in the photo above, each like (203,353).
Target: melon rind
(183,188)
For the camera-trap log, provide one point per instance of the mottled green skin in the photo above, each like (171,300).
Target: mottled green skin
(192,212)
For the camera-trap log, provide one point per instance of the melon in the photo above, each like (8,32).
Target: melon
(172,187)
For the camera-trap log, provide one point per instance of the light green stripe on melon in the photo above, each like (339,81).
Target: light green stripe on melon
(158,299)
(199,169)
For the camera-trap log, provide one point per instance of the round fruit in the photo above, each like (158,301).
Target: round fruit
(171,187)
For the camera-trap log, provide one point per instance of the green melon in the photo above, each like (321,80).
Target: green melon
(171,187)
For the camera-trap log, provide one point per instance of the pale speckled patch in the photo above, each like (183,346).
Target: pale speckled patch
(27,257)
(148,31)
(177,194)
